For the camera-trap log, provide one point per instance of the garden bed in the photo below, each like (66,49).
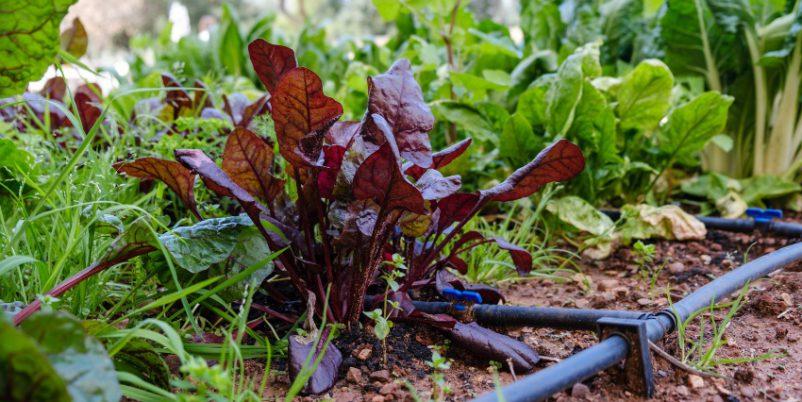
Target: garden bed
(766,324)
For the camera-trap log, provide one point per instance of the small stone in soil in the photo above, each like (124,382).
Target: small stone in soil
(744,375)
(644,301)
(354,375)
(388,388)
(580,390)
(380,375)
(683,390)
(694,381)
(676,267)
(364,353)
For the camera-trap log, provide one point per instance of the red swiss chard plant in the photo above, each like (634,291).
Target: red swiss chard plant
(363,191)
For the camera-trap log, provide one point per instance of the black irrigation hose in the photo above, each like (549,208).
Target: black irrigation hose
(747,225)
(517,316)
(605,354)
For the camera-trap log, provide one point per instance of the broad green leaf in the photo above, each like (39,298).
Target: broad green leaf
(621,23)
(197,247)
(140,358)
(498,77)
(644,95)
(465,116)
(594,125)
(388,9)
(692,125)
(565,94)
(532,105)
(79,359)
(27,372)
(760,188)
(230,46)
(541,24)
(518,143)
(13,157)
(29,40)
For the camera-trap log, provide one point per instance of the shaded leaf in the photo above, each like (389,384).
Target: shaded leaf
(396,96)
(88,110)
(55,88)
(494,346)
(180,179)
(520,256)
(325,374)
(692,125)
(74,39)
(455,208)
(560,161)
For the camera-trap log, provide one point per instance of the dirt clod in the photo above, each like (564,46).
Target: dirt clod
(745,375)
(380,375)
(768,305)
(580,390)
(354,375)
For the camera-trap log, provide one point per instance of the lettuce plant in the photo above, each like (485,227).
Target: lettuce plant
(363,191)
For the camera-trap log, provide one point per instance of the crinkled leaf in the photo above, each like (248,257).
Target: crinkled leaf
(379,178)
(271,62)
(494,346)
(580,214)
(78,358)
(248,160)
(760,188)
(195,248)
(644,95)
(560,161)
(667,222)
(74,39)
(440,158)
(414,225)
(397,97)
(29,39)
(434,186)
(302,114)
(180,179)
(27,373)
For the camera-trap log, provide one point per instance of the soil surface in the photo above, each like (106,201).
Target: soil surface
(770,322)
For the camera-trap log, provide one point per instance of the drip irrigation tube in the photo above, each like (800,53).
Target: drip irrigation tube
(741,225)
(610,351)
(550,317)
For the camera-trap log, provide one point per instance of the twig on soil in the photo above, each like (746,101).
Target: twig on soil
(674,361)
(512,369)
(550,359)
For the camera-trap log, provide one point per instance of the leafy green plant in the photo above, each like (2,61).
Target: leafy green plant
(439,365)
(381,316)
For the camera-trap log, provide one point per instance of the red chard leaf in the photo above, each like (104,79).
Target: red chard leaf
(302,114)
(455,208)
(325,375)
(560,161)
(176,96)
(440,159)
(55,88)
(180,179)
(327,178)
(520,257)
(248,160)
(88,110)
(271,62)
(433,186)
(494,346)
(379,177)
(398,98)
(241,111)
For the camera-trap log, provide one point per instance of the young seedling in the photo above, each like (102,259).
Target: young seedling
(381,316)
(439,365)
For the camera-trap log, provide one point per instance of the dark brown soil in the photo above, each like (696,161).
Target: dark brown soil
(769,322)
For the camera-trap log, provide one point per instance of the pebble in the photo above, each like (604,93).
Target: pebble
(364,353)
(388,388)
(676,267)
(354,375)
(607,284)
(377,398)
(380,375)
(694,381)
(706,259)
(644,301)
(580,390)
(683,390)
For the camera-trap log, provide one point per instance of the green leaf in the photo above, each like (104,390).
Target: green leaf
(465,116)
(541,24)
(13,157)
(532,104)
(195,248)
(230,45)
(760,188)
(138,357)
(518,143)
(29,39)
(11,262)
(692,125)
(79,359)
(27,372)
(644,95)
(565,94)
(388,9)
(594,125)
